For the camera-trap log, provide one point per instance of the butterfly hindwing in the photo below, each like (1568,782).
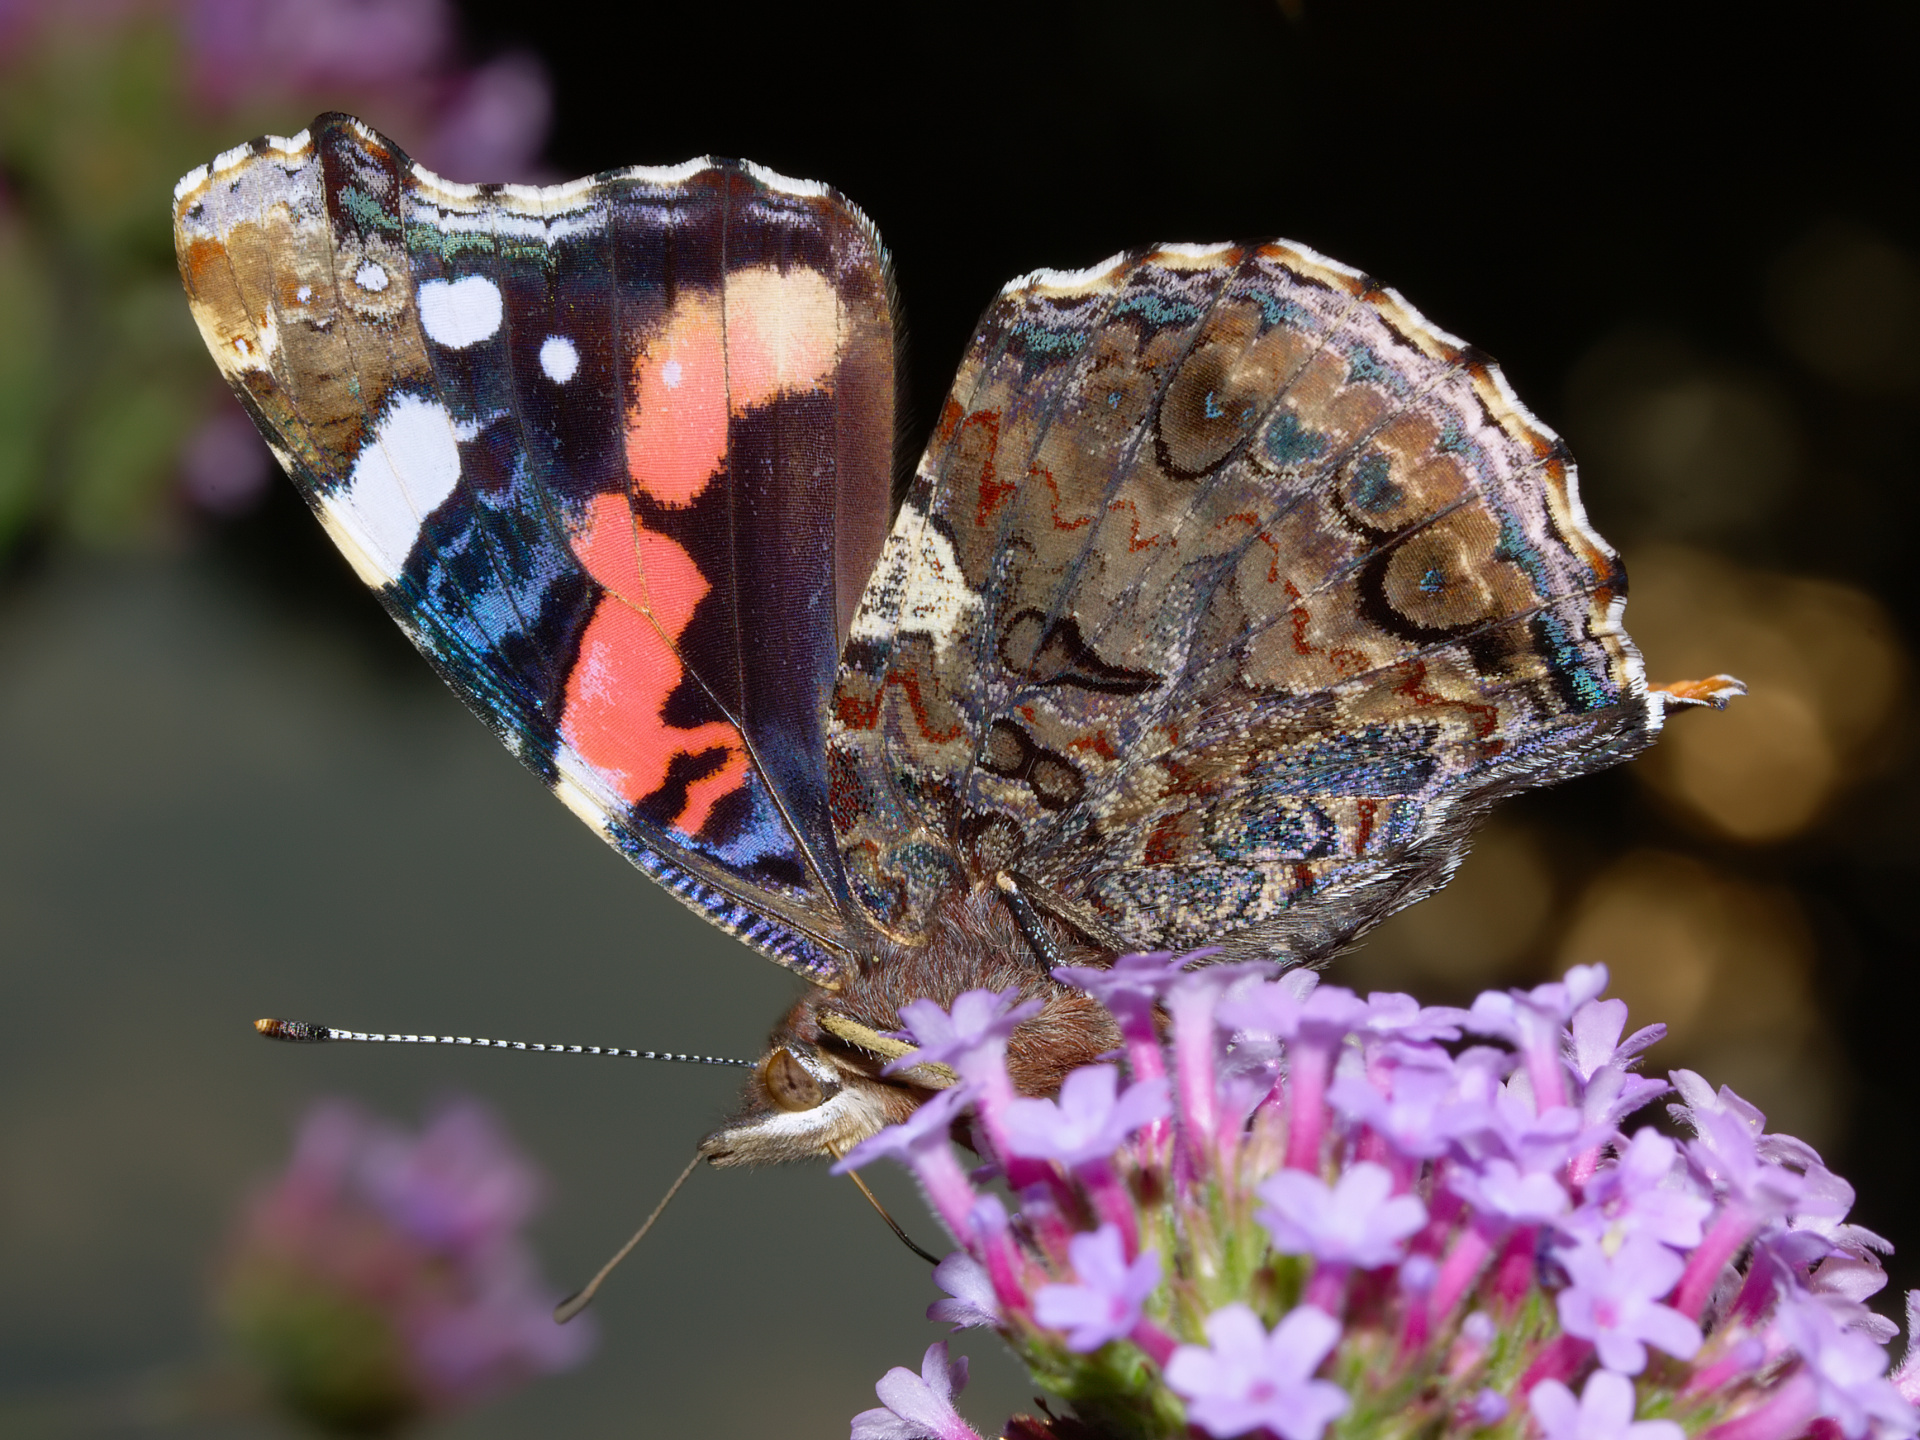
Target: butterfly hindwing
(615,454)
(1228,592)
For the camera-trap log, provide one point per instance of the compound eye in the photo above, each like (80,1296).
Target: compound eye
(790,1085)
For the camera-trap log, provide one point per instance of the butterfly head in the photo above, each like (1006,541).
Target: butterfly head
(804,1101)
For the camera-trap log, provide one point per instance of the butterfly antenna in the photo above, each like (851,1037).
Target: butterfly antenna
(892,1224)
(299,1032)
(583,1297)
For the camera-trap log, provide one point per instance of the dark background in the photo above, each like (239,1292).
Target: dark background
(1687,233)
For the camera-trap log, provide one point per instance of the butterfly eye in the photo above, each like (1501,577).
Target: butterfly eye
(790,1085)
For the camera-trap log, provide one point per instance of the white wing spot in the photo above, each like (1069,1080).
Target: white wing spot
(670,374)
(459,313)
(303,294)
(404,473)
(559,359)
(370,276)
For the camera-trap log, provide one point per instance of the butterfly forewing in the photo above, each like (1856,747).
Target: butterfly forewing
(615,455)
(1228,591)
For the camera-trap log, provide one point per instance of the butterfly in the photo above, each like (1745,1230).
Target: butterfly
(1228,593)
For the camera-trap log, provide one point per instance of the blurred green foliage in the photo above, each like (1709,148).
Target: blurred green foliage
(101,372)
(103,105)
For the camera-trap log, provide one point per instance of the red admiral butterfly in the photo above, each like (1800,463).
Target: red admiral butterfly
(1228,593)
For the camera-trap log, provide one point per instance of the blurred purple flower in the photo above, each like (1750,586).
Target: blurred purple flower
(1848,1368)
(918,1407)
(1090,1120)
(1245,1379)
(462,1186)
(1614,1302)
(242,47)
(494,122)
(412,1238)
(1490,1407)
(1106,1302)
(1357,1221)
(225,466)
(1501,1190)
(208,73)
(1604,1411)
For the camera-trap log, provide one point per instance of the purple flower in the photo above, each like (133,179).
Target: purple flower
(922,1131)
(1555,1001)
(413,1244)
(1191,1001)
(920,1142)
(1613,1094)
(1131,982)
(1727,1151)
(1091,1119)
(1646,1191)
(1849,1368)
(1698,1098)
(1532,1020)
(1595,1037)
(1245,1379)
(1613,1301)
(918,1407)
(1604,1411)
(1430,1203)
(1401,1017)
(1357,1221)
(1534,1139)
(967,1281)
(1272,1007)
(1907,1378)
(1421,1108)
(1106,1303)
(1130,988)
(1315,1026)
(971,1039)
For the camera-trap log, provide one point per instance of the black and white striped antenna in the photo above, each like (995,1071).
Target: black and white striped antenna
(299,1032)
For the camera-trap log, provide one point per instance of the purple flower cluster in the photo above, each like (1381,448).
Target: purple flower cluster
(1295,1208)
(383,1276)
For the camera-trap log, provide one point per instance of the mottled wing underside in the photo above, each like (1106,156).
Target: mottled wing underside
(615,455)
(1228,591)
